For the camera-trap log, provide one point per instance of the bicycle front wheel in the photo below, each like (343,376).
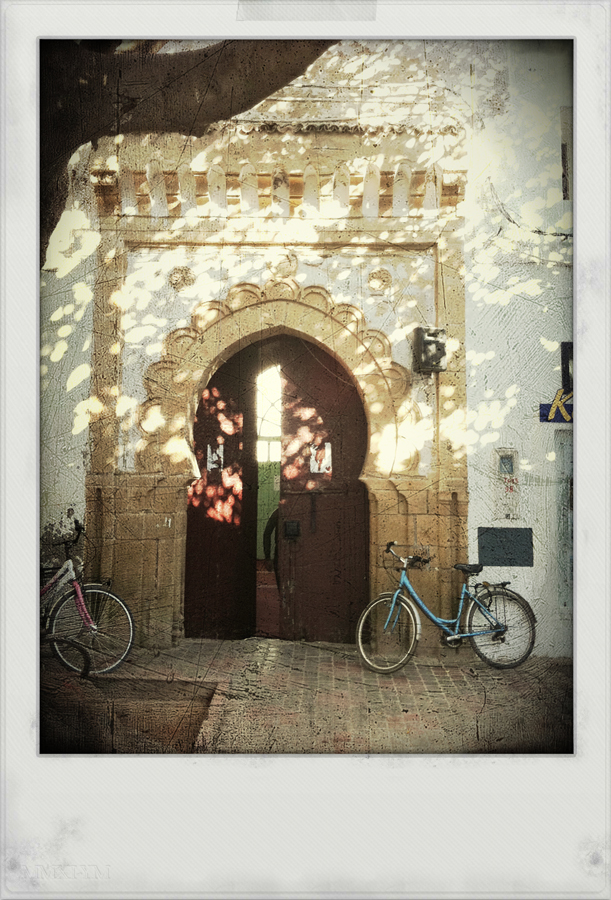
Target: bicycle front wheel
(107,642)
(511,646)
(386,637)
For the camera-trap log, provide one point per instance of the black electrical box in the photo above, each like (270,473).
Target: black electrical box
(430,350)
(292,530)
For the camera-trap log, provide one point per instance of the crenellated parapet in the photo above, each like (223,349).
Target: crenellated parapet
(366,192)
(160,183)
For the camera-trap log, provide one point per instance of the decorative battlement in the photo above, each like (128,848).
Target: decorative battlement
(363,192)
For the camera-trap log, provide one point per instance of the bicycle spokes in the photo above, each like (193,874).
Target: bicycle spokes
(507,641)
(386,634)
(106,632)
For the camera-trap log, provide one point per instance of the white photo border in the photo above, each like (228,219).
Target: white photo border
(297,826)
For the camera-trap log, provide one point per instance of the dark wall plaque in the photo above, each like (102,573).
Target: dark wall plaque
(505,546)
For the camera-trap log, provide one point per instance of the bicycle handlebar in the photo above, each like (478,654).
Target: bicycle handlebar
(406,560)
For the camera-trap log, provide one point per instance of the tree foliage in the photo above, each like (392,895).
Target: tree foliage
(90,89)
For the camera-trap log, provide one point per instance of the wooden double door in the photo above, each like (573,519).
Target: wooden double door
(323,522)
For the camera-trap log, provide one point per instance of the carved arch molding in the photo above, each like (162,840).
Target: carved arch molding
(248,314)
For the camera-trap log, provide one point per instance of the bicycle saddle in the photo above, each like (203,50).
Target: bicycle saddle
(469,569)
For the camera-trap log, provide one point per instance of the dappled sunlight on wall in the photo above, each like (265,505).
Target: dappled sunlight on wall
(60,327)
(73,240)
(518,254)
(68,401)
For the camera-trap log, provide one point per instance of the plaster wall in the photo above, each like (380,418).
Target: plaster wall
(67,289)
(519,309)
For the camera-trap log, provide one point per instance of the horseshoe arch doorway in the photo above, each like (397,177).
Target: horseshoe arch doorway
(310,471)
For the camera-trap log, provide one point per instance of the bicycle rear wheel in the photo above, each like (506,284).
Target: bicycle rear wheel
(386,642)
(107,643)
(513,646)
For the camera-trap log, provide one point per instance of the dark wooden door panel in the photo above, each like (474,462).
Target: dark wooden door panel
(324,521)
(221,525)
(323,570)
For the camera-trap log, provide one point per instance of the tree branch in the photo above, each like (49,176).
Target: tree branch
(88,91)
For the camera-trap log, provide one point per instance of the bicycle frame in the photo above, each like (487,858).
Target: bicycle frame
(450,627)
(67,575)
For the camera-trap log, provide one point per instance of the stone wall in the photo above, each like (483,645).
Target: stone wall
(319,257)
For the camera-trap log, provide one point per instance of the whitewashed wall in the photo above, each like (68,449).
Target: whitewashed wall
(518,311)
(67,288)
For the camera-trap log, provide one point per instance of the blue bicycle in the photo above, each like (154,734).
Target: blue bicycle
(499,623)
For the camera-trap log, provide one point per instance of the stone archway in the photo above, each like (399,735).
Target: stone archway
(248,314)
(142,515)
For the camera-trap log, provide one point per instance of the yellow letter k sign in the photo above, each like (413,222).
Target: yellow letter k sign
(558,404)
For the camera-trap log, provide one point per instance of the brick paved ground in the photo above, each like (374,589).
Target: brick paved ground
(277,696)
(272,696)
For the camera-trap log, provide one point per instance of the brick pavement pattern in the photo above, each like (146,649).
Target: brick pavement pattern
(262,695)
(277,696)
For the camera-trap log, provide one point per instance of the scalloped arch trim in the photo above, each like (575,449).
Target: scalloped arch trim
(249,314)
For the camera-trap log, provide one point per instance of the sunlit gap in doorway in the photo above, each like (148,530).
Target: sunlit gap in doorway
(269,415)
(269,443)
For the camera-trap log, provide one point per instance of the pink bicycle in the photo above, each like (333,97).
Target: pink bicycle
(89,628)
